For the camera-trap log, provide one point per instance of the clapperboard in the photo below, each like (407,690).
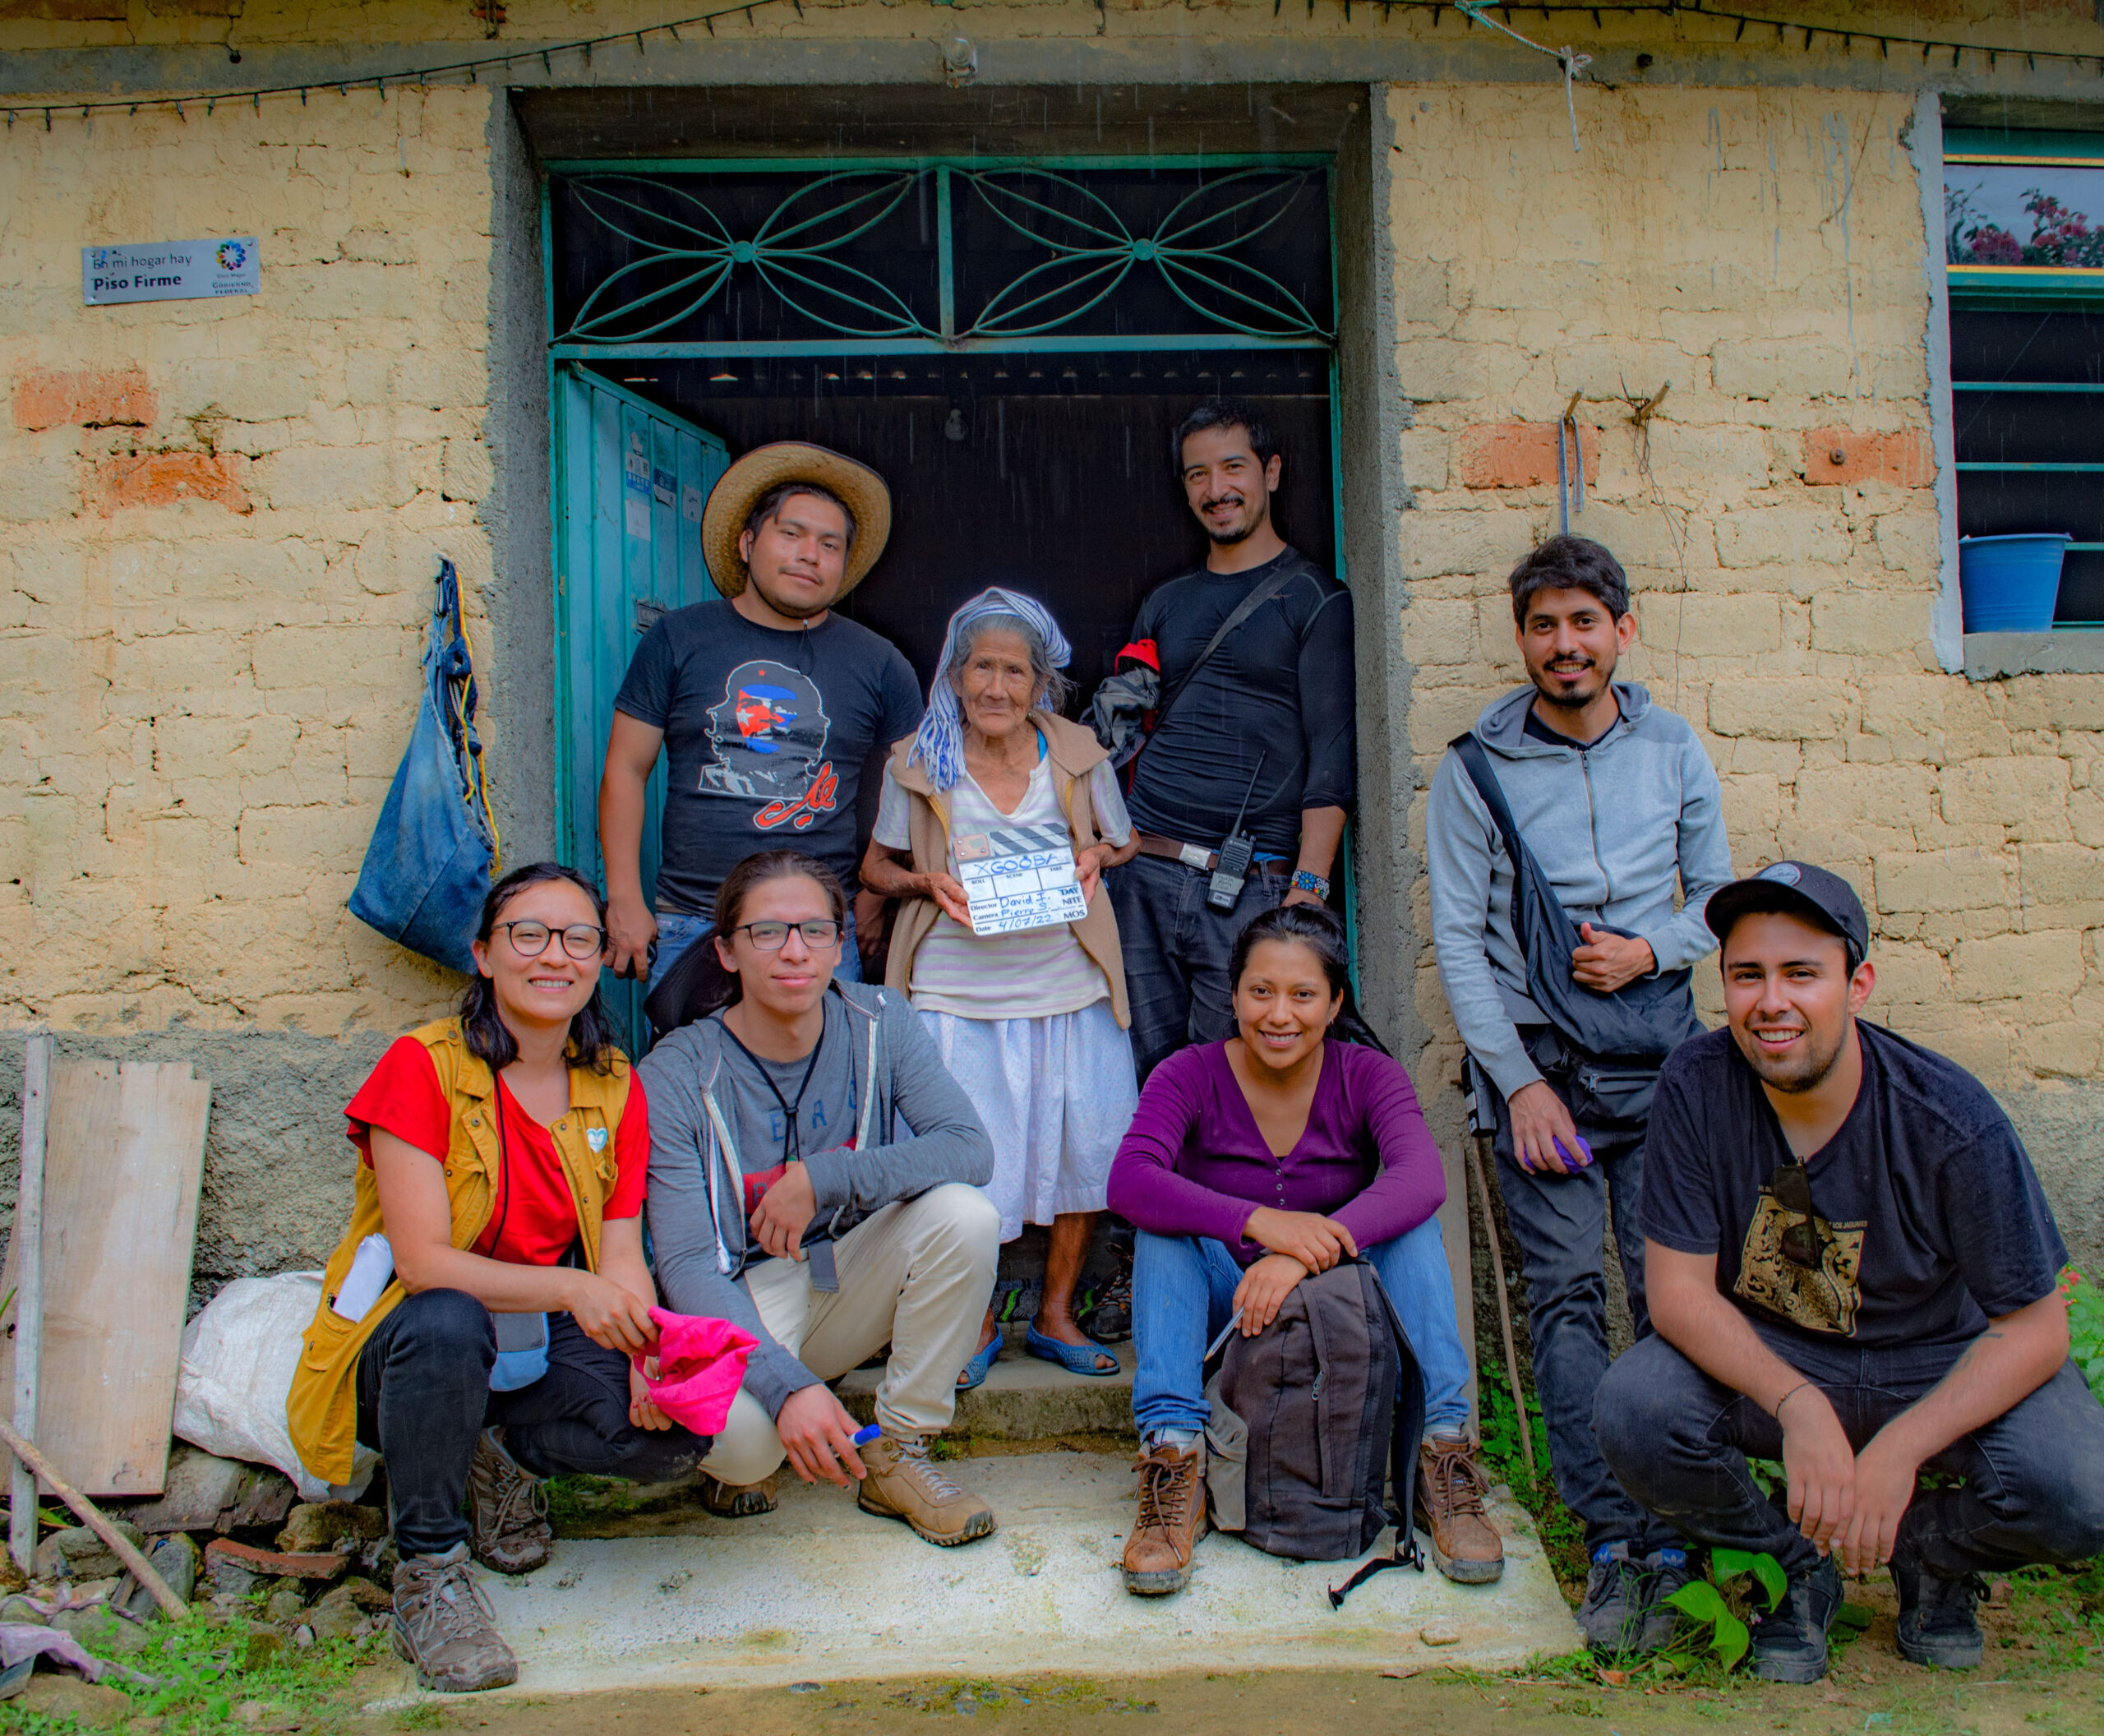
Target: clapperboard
(1018,878)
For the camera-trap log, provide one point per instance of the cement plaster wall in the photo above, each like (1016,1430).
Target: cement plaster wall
(276,1167)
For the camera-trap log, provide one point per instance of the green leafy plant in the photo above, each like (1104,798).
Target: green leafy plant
(2085,1326)
(1715,1628)
(1501,1451)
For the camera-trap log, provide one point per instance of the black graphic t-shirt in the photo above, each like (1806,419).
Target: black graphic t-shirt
(1927,1217)
(767,733)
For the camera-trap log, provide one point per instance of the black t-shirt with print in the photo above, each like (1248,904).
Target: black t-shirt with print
(1929,1216)
(767,733)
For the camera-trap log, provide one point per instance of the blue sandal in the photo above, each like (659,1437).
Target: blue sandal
(1076,1358)
(982,1362)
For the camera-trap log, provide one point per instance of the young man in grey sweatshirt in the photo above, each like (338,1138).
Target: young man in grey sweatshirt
(900,1250)
(1616,799)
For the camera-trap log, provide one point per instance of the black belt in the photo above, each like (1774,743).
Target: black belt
(1193,856)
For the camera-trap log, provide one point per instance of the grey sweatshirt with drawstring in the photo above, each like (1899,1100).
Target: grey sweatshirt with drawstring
(1613,825)
(914,1129)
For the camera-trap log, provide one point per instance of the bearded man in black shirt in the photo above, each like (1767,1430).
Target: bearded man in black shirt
(1267,717)
(1850,1268)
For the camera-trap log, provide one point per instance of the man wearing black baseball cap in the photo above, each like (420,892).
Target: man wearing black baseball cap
(1851,1268)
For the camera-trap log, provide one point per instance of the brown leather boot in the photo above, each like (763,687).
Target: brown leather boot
(508,1526)
(1450,1486)
(1171,1519)
(738,1500)
(903,1483)
(442,1625)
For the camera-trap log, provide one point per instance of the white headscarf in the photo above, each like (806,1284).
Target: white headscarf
(940,744)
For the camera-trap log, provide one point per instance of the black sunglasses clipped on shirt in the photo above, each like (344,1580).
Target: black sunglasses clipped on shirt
(1804,1243)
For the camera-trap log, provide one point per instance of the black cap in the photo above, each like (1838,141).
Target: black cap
(1823,897)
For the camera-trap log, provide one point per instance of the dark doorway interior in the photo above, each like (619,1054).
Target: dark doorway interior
(1047,472)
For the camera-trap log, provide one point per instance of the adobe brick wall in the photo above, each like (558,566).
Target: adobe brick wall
(1763,252)
(222,519)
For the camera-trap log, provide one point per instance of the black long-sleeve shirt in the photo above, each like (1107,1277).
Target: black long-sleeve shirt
(1281,686)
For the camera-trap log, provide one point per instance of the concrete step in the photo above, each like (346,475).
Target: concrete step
(1024,1398)
(820,1592)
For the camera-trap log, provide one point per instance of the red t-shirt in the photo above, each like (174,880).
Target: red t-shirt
(533,1222)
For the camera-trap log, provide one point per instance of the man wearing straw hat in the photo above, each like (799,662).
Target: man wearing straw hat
(767,704)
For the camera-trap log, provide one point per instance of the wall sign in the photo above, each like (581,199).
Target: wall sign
(170,270)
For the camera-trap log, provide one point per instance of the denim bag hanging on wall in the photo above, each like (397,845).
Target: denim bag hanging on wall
(427,869)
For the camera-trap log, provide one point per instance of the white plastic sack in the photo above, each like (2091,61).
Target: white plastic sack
(238,1357)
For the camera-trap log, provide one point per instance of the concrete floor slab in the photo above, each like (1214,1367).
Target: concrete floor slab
(1023,1398)
(819,1591)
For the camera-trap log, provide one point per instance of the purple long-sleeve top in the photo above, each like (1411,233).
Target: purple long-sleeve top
(1192,1163)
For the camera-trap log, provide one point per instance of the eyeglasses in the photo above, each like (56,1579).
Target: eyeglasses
(530,939)
(771,937)
(1804,1243)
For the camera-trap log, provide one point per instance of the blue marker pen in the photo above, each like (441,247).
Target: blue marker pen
(863,1437)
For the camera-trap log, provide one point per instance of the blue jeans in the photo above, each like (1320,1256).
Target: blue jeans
(677,931)
(1182,1295)
(2034,1476)
(1176,947)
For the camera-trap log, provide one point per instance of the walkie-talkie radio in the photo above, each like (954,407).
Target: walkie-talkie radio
(1232,868)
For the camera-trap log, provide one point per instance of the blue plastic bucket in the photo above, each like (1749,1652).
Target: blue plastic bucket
(2009,584)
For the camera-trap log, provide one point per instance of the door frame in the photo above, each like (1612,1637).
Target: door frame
(562,353)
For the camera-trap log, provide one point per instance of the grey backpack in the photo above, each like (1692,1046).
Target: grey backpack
(1310,1420)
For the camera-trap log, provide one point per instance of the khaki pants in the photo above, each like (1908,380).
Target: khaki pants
(918,1273)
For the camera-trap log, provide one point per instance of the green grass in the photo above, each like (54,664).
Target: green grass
(202,1671)
(1562,1532)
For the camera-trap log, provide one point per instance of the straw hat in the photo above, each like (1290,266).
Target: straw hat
(740,488)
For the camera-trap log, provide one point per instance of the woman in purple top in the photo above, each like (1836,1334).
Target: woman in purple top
(1251,1164)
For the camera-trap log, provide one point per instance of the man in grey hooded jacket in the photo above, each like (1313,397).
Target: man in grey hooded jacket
(1616,799)
(900,1250)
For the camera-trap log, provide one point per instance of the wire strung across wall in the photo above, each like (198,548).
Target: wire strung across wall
(1473,12)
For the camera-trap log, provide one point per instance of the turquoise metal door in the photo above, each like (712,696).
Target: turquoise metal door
(630,483)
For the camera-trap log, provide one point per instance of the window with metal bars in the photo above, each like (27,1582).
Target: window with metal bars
(2024,242)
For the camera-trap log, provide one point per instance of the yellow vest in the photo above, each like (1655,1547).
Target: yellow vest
(1074,753)
(321,1410)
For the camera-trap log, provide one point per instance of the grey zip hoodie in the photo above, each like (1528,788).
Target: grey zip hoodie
(1611,825)
(695,1205)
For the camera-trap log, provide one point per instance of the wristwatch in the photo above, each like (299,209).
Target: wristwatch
(1304,881)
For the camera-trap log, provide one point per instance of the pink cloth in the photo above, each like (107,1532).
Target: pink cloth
(700,1364)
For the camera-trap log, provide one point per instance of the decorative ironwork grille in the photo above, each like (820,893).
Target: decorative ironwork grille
(939,256)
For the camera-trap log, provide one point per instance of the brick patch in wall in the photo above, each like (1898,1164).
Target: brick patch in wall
(164,478)
(1521,454)
(1841,456)
(49,398)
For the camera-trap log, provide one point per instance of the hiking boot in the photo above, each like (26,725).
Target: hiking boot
(904,1483)
(1107,1316)
(738,1500)
(443,1626)
(1450,1486)
(1612,1616)
(1789,1641)
(508,1526)
(1937,1625)
(1171,1519)
(1665,1571)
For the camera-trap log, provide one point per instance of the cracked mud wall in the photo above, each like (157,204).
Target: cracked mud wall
(220,521)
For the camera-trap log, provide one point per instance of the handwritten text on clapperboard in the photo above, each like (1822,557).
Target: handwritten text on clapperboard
(1018,878)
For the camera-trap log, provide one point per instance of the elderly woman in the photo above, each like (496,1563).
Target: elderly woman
(1033,1023)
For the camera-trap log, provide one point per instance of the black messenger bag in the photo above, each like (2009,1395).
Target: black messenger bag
(1609,1048)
